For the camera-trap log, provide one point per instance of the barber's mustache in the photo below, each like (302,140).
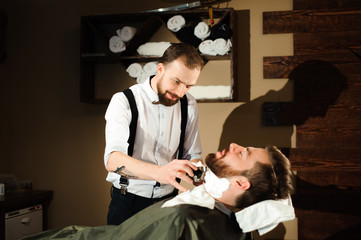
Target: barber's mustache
(173,95)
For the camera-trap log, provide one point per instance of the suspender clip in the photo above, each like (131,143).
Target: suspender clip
(123,182)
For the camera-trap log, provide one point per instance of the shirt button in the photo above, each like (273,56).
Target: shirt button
(162,134)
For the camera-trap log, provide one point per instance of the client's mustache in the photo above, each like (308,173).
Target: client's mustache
(211,157)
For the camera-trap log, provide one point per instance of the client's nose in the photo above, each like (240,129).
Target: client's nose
(234,147)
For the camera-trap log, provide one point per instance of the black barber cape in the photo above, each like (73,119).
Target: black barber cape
(155,223)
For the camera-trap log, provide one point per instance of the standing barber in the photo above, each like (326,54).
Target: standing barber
(149,173)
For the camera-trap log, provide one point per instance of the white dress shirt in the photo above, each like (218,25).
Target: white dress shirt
(157,135)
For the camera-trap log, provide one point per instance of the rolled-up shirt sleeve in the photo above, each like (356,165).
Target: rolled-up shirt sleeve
(118,117)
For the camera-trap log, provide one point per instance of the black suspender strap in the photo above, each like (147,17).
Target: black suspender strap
(184,110)
(133,124)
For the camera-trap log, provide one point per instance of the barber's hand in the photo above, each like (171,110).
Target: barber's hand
(167,174)
(195,161)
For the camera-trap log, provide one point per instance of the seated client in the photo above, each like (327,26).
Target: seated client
(238,180)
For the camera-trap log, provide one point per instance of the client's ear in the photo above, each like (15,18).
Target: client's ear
(243,183)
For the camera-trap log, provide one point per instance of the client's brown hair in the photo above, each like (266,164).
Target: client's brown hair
(267,181)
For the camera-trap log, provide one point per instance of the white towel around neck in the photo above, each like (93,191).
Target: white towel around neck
(263,216)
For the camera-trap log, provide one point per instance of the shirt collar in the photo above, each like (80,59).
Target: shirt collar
(149,90)
(221,207)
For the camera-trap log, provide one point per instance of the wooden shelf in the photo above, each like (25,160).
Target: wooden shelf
(104,58)
(96,31)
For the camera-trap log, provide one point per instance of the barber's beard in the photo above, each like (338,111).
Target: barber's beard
(166,101)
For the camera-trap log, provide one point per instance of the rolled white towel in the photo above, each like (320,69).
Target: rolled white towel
(202,31)
(206,47)
(142,78)
(126,33)
(153,48)
(175,23)
(116,44)
(222,46)
(211,92)
(150,68)
(135,70)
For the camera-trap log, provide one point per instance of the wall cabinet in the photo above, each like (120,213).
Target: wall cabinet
(96,30)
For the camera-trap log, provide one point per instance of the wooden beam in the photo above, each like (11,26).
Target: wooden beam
(316,158)
(326,42)
(323,224)
(338,4)
(310,179)
(282,66)
(330,137)
(312,115)
(315,20)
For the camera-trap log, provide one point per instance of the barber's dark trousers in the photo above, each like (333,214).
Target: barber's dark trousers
(122,207)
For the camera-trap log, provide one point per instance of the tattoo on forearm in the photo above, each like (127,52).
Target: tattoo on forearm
(120,171)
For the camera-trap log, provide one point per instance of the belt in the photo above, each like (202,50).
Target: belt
(173,194)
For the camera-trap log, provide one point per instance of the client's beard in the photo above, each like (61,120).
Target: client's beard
(213,164)
(166,101)
(219,167)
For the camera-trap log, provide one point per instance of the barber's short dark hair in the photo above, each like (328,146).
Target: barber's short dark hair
(268,182)
(190,55)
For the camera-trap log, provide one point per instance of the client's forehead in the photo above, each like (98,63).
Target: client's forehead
(246,160)
(262,155)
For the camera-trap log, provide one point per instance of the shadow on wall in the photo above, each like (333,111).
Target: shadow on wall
(317,85)
(316,204)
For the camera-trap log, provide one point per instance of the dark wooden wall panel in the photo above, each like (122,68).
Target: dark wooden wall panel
(329,4)
(314,159)
(323,224)
(343,178)
(327,35)
(336,117)
(329,137)
(315,20)
(321,43)
(314,115)
(282,66)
